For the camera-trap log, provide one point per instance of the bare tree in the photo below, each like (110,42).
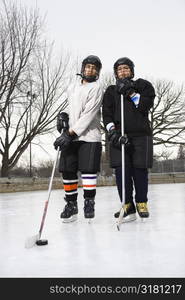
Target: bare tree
(181,152)
(164,154)
(19,32)
(168,114)
(32,87)
(107,79)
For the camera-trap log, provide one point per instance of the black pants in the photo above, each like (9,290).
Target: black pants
(81,157)
(135,179)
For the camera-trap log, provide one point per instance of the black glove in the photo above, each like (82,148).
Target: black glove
(116,139)
(124,140)
(113,136)
(64,141)
(125,86)
(62,121)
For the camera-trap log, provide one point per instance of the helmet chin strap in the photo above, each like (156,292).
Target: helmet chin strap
(88,78)
(78,74)
(128,77)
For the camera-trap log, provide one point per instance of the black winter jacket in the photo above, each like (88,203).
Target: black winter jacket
(136,122)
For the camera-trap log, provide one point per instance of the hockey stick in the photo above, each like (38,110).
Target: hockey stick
(119,222)
(36,239)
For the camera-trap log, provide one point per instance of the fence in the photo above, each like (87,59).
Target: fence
(8,185)
(163,166)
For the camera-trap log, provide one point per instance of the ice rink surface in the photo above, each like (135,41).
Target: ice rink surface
(155,248)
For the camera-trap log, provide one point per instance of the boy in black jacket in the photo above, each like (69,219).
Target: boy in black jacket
(138,99)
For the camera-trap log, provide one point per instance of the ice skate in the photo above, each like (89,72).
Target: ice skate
(129,213)
(142,210)
(89,209)
(70,212)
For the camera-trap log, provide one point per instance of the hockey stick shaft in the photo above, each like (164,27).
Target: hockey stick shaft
(123,164)
(49,192)
(123,150)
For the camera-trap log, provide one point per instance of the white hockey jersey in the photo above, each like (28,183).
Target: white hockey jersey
(84,102)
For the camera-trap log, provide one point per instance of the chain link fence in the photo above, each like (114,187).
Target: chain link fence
(163,166)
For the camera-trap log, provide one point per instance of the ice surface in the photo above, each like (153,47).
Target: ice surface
(152,249)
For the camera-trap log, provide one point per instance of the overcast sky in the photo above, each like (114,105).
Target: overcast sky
(150,32)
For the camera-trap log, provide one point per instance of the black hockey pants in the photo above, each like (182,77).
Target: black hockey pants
(135,178)
(81,157)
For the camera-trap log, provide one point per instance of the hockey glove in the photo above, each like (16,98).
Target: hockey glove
(125,86)
(113,136)
(116,139)
(123,140)
(64,141)
(62,121)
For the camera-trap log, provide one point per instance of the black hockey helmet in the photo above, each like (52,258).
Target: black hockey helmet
(94,60)
(124,61)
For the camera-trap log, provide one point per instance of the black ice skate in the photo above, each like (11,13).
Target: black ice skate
(142,209)
(129,213)
(89,208)
(70,212)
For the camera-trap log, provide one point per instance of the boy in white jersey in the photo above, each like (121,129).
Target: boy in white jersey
(80,142)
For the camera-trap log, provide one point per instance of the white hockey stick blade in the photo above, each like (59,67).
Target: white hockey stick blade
(31,241)
(120,219)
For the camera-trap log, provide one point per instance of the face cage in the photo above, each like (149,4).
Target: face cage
(90,78)
(131,69)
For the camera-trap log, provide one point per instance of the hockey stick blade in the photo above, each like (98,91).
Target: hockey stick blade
(120,219)
(31,241)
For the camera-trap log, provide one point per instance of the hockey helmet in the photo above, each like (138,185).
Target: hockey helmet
(94,60)
(124,61)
